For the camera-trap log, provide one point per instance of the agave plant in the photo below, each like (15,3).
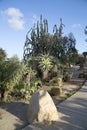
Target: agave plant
(45,62)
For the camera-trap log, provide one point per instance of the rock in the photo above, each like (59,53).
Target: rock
(42,108)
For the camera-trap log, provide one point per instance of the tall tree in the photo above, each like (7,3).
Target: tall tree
(85,31)
(85,56)
(71,51)
(3,58)
(58,44)
(11,72)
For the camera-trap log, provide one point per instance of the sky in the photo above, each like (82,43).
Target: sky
(18,16)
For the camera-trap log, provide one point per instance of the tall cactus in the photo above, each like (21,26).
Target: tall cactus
(37,29)
(41,26)
(61,28)
(45,26)
(39,41)
(58,40)
(35,43)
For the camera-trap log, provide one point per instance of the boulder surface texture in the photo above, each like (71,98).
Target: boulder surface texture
(42,108)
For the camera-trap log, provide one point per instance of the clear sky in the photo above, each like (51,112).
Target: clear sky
(18,16)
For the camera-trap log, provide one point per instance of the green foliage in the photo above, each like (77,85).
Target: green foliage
(26,86)
(85,30)
(39,37)
(60,82)
(45,62)
(12,72)
(40,42)
(83,75)
(3,65)
(85,57)
(71,51)
(81,61)
(55,91)
(45,65)
(25,89)
(56,81)
(3,68)
(67,76)
(36,82)
(85,54)
(45,55)
(15,71)
(3,55)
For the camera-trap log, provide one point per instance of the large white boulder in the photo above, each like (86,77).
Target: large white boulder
(42,108)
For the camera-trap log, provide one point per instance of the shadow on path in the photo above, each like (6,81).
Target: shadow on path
(14,113)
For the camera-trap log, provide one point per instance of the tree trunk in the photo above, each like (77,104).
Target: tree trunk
(2,92)
(45,75)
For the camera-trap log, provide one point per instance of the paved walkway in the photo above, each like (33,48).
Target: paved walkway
(13,116)
(74,111)
(73,115)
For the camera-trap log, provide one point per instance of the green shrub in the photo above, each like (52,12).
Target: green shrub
(56,81)
(67,76)
(36,82)
(86,75)
(55,91)
(83,75)
(53,81)
(60,82)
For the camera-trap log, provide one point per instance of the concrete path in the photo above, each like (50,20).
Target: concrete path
(74,111)
(73,114)
(13,116)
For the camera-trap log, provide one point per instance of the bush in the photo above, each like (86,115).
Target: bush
(53,81)
(60,82)
(56,81)
(55,91)
(86,75)
(83,75)
(67,76)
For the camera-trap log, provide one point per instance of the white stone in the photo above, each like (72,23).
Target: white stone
(42,108)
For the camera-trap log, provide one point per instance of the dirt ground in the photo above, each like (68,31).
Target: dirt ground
(75,83)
